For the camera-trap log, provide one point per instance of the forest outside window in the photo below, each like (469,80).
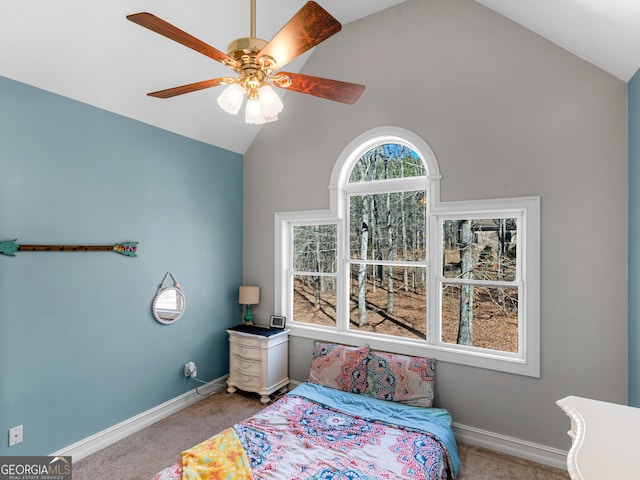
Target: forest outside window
(393,267)
(480,285)
(387,261)
(313,277)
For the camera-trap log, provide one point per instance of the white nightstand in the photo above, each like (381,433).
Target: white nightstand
(258,360)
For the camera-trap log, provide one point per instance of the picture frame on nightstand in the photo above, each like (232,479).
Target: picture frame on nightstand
(277,321)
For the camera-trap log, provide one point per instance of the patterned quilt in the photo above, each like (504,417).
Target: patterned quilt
(314,433)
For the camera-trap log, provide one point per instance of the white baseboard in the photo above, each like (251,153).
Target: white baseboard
(535,452)
(100,440)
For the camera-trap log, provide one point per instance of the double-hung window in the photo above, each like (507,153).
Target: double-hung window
(392,266)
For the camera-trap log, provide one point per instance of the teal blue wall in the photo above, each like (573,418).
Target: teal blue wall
(79,349)
(634,235)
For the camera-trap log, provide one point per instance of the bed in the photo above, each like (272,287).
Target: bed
(362,415)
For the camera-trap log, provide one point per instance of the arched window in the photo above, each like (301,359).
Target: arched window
(391,266)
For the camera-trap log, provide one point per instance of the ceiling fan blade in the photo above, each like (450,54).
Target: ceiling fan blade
(158,25)
(192,87)
(307,28)
(321,87)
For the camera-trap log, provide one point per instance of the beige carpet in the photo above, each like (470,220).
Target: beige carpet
(143,454)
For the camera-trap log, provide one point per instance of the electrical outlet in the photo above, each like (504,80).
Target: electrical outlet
(15,435)
(190,369)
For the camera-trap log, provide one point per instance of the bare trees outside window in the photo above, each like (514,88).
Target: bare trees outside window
(314,274)
(479,290)
(393,266)
(387,245)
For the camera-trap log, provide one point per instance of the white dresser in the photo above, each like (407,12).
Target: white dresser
(258,360)
(604,439)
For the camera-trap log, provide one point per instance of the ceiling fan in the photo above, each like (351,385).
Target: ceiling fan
(257,61)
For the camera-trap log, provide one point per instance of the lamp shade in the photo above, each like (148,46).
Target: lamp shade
(249,295)
(270,102)
(231,98)
(253,112)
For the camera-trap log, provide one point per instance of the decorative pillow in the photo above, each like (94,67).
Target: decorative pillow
(401,378)
(339,366)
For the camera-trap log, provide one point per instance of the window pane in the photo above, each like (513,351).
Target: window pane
(314,248)
(385,162)
(402,313)
(314,299)
(483,249)
(491,319)
(388,226)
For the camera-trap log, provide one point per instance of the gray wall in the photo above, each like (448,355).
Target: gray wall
(507,114)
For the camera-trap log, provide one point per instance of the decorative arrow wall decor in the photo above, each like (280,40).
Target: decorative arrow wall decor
(9,247)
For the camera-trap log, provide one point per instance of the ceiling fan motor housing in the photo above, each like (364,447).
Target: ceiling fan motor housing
(245,46)
(253,72)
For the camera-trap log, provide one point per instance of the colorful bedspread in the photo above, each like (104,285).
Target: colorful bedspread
(315,433)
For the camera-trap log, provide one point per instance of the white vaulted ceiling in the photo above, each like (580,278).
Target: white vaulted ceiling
(86,49)
(603,32)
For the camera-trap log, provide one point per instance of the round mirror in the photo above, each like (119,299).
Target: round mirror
(168,305)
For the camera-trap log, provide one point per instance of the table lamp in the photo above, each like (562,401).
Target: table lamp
(249,296)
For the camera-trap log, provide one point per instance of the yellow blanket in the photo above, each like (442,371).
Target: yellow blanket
(221,457)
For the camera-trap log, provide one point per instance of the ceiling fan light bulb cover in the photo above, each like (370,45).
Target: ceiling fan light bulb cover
(231,98)
(270,101)
(253,113)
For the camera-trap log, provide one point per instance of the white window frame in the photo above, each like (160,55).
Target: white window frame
(525,209)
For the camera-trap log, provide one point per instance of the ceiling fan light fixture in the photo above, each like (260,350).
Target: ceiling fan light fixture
(256,62)
(253,113)
(269,101)
(231,98)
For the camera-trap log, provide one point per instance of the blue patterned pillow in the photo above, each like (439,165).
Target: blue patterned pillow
(401,378)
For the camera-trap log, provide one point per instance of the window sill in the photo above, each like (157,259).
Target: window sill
(473,357)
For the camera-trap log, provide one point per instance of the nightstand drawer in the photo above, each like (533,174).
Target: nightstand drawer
(246,351)
(248,341)
(249,367)
(247,381)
